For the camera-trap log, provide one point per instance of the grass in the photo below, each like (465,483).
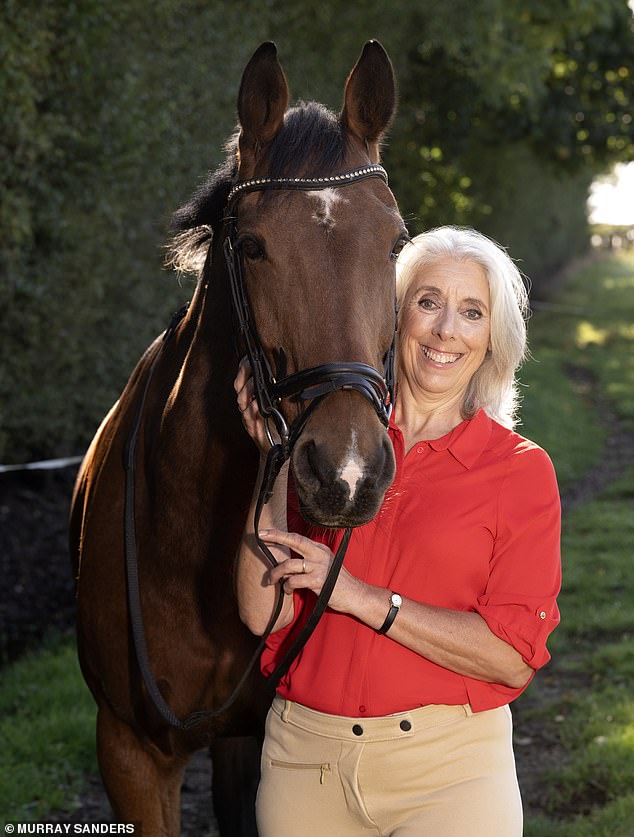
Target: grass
(592,325)
(557,415)
(47,723)
(582,702)
(592,711)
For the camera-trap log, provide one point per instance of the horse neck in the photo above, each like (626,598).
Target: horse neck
(203,397)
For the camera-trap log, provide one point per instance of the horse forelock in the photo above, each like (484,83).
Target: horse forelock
(311,142)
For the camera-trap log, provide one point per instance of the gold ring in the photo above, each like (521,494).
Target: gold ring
(303,566)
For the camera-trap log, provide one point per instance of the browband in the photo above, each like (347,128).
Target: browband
(258,184)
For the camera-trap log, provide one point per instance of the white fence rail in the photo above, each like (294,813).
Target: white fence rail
(42,465)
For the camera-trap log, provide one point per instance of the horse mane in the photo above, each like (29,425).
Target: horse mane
(311,135)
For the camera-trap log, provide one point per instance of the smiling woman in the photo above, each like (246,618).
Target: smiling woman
(441,612)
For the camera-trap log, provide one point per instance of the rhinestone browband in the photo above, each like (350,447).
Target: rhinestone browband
(258,183)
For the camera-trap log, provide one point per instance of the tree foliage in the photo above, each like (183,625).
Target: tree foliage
(521,105)
(111,113)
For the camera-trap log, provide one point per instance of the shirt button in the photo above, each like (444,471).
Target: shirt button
(542,615)
(362,709)
(357,729)
(405,726)
(420,450)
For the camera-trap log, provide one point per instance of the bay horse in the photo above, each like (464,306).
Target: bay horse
(318,269)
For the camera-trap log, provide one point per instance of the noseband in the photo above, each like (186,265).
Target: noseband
(313,384)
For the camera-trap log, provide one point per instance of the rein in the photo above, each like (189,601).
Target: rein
(308,385)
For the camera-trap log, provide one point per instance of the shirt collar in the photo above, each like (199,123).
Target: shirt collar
(466,441)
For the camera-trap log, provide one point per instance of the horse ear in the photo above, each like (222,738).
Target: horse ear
(369,99)
(262,100)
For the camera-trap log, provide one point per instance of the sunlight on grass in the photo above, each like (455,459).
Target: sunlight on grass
(557,416)
(607,289)
(587,334)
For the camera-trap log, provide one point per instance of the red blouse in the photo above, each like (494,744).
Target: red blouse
(471,522)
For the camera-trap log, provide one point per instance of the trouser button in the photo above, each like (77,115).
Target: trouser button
(405,726)
(357,729)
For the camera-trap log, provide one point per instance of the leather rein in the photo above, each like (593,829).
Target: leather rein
(308,385)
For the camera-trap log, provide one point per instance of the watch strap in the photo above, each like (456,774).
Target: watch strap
(389,619)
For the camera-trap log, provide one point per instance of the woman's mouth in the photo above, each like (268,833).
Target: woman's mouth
(444,358)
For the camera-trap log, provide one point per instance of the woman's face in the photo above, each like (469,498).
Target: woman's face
(445,328)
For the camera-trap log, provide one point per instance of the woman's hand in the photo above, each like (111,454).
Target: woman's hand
(256,599)
(310,571)
(248,406)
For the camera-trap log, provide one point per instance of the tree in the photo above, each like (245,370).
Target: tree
(508,112)
(111,113)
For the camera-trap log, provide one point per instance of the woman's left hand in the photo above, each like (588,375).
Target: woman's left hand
(310,571)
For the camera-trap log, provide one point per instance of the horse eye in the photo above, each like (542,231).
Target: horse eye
(251,249)
(403,240)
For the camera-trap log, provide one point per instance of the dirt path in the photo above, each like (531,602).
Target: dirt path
(36,594)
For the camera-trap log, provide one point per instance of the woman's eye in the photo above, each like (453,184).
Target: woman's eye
(427,303)
(251,249)
(473,314)
(398,247)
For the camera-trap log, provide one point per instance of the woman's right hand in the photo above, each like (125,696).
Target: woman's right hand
(248,406)
(256,599)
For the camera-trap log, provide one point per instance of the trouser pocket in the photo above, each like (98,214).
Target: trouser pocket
(320,769)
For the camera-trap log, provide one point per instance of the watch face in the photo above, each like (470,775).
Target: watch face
(396,600)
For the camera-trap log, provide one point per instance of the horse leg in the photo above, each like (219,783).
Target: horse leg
(143,784)
(235,779)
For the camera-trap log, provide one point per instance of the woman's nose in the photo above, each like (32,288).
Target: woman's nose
(445,325)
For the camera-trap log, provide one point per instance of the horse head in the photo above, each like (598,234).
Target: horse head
(318,267)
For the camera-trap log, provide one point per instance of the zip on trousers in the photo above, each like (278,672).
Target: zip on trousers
(291,765)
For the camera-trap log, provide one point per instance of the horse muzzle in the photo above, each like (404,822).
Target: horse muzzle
(342,469)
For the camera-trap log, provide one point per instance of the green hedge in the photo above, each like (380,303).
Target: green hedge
(112,112)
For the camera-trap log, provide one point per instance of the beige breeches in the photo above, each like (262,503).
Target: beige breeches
(438,771)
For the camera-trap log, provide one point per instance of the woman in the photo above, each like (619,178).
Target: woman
(395,718)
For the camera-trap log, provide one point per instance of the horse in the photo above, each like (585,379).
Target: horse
(318,267)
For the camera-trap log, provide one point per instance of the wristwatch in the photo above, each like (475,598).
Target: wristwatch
(395,604)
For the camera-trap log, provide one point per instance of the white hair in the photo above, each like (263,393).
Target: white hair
(493,386)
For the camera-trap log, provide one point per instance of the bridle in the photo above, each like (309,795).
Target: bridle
(310,386)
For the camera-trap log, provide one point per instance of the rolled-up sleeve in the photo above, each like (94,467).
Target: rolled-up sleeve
(519,604)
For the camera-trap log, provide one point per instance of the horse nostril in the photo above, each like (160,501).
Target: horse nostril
(314,460)
(313,466)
